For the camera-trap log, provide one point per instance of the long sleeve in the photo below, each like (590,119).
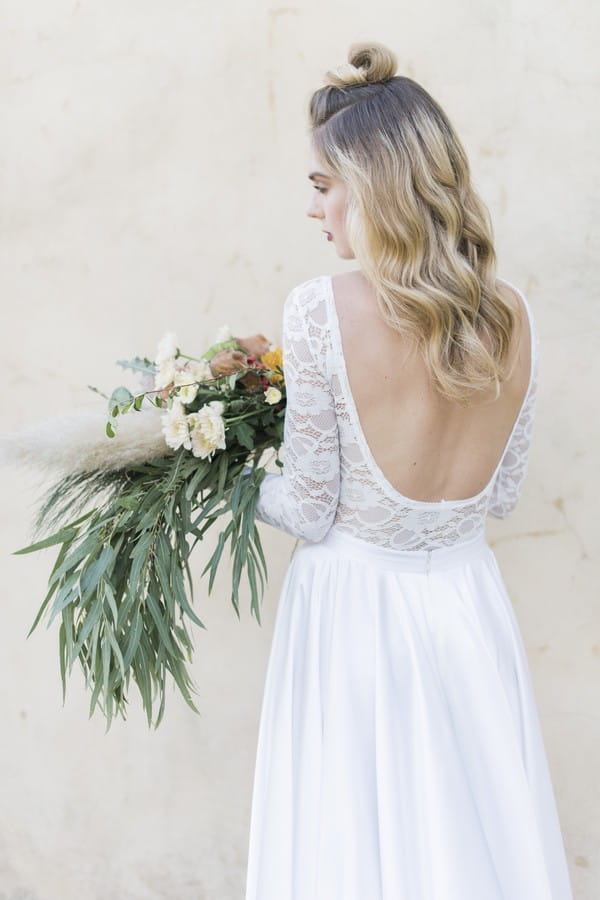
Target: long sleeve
(509,481)
(302,499)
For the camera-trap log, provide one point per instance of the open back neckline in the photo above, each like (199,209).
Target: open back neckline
(389,487)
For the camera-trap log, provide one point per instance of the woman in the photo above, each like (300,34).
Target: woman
(400,755)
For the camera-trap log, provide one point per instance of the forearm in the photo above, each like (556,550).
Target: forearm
(281,506)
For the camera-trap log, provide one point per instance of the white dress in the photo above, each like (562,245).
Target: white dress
(400,754)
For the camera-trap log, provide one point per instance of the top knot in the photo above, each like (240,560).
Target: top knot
(369,62)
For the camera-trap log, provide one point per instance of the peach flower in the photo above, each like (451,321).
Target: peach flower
(255,345)
(226,362)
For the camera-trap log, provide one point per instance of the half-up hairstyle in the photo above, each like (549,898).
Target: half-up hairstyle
(421,234)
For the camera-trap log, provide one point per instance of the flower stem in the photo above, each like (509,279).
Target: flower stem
(244,416)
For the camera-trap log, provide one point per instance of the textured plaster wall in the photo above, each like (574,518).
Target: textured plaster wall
(153,177)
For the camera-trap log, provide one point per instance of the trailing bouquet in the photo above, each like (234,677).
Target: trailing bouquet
(126,522)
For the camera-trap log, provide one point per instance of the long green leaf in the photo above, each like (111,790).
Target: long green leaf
(160,623)
(92,619)
(135,633)
(51,589)
(65,534)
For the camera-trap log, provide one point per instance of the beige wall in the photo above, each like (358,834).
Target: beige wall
(154,177)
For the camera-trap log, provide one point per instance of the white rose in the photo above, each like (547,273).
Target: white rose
(175,427)
(184,380)
(272,395)
(200,370)
(207,429)
(188,377)
(187,393)
(167,348)
(223,334)
(165,375)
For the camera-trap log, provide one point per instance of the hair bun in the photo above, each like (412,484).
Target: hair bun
(369,62)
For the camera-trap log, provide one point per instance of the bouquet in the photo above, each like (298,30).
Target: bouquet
(125,525)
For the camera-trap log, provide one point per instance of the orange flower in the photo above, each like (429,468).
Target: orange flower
(272,359)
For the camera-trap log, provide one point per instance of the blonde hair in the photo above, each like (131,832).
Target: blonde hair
(418,229)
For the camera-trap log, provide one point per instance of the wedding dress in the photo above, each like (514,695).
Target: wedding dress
(400,755)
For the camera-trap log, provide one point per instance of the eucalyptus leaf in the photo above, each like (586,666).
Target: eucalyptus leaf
(141,366)
(119,396)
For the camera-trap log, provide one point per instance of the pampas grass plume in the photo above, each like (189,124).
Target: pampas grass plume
(77,442)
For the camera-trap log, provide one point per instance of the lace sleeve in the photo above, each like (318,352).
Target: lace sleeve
(303,497)
(509,481)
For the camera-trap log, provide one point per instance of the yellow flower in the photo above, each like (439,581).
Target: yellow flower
(272,359)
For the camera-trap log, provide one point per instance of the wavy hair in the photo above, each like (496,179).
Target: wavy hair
(417,227)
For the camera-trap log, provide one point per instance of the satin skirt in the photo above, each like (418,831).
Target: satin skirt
(400,754)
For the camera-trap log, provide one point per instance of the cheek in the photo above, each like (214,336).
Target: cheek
(337,212)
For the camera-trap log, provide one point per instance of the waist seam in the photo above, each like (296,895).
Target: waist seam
(423,560)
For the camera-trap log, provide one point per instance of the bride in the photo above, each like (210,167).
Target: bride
(400,753)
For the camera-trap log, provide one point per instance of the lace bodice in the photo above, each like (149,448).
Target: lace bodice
(330,478)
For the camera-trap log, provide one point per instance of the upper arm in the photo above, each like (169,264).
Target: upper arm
(312,447)
(303,498)
(509,481)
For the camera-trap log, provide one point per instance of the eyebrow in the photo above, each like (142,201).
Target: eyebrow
(314,175)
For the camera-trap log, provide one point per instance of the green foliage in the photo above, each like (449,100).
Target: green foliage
(121,581)
(120,397)
(231,344)
(142,366)
(120,402)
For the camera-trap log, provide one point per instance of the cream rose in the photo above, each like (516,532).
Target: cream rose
(167,348)
(207,429)
(272,395)
(175,427)
(165,375)
(188,377)
(199,370)
(186,384)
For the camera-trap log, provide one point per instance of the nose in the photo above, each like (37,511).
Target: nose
(314,209)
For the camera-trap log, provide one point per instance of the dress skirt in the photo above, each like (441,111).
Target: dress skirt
(400,755)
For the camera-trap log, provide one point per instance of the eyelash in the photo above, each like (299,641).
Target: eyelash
(321,190)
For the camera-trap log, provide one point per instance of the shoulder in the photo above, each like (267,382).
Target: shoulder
(308,300)
(514,297)
(520,305)
(527,342)
(309,292)
(306,318)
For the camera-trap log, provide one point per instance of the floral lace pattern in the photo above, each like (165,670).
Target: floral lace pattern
(330,477)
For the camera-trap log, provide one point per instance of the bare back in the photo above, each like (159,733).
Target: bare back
(428,448)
